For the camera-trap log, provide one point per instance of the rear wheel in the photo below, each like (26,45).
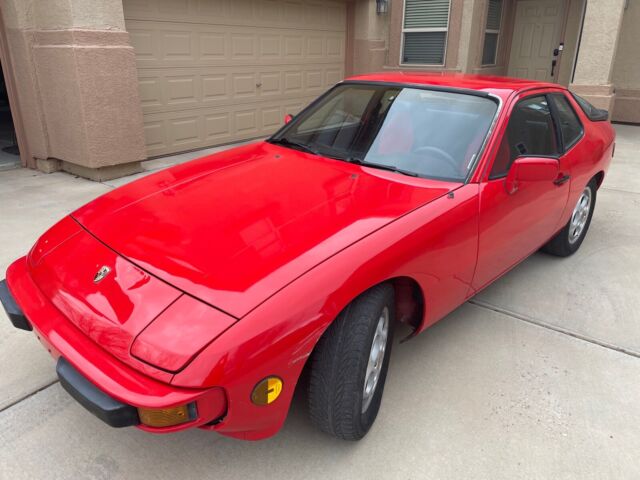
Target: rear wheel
(568,240)
(349,365)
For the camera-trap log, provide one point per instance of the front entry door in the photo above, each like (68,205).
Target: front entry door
(536,33)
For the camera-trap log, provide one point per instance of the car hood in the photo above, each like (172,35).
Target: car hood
(233,228)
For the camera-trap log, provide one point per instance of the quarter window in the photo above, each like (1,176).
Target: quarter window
(424,31)
(530,132)
(594,114)
(492,32)
(570,126)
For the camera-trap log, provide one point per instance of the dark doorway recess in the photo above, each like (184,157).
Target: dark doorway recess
(9,151)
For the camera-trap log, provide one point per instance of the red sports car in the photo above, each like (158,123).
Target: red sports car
(195,297)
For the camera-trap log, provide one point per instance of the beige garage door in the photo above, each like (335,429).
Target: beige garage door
(217,71)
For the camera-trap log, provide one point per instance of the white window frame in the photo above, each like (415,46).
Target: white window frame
(491,30)
(421,30)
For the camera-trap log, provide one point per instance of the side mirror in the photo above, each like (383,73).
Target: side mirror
(531,169)
(287,118)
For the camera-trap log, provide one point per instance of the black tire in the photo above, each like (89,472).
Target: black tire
(560,245)
(339,365)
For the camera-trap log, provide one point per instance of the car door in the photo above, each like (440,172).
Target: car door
(513,224)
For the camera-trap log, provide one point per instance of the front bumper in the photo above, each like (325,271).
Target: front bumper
(14,312)
(109,410)
(107,387)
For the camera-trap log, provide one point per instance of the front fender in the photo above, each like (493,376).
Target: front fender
(278,336)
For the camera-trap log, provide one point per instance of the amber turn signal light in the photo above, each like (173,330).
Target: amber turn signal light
(266,391)
(166,417)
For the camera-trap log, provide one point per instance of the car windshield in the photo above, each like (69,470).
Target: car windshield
(415,131)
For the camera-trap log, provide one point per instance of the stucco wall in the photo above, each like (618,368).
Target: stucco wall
(76,84)
(453,38)
(626,70)
(81,14)
(370,37)
(501,66)
(593,76)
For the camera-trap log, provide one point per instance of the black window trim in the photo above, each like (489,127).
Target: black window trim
(556,121)
(556,128)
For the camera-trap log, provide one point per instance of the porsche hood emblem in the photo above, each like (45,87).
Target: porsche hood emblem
(103,272)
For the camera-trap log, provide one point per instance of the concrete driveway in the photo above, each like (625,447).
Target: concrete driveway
(537,377)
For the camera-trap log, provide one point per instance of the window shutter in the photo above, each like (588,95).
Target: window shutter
(426,13)
(425,48)
(490,48)
(494,14)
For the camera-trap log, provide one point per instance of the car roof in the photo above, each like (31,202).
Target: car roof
(501,86)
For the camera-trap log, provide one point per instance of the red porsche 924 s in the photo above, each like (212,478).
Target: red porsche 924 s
(196,296)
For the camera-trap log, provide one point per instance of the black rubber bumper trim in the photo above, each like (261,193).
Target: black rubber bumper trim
(14,312)
(106,408)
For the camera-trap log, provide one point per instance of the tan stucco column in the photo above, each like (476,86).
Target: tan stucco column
(626,72)
(598,44)
(369,33)
(77,84)
(471,29)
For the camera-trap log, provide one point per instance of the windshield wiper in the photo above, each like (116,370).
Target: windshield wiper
(285,142)
(392,168)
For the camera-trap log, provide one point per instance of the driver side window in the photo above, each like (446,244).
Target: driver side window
(530,132)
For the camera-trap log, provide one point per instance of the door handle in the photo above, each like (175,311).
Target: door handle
(564,179)
(553,66)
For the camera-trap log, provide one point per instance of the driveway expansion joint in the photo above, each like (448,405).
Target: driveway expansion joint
(555,328)
(619,190)
(29,395)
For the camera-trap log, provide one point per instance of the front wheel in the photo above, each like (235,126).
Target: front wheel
(568,240)
(349,365)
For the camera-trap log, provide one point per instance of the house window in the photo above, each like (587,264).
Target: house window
(492,32)
(424,31)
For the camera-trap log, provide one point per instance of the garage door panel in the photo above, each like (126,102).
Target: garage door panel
(270,83)
(144,42)
(215,87)
(314,80)
(217,127)
(212,46)
(173,7)
(294,13)
(244,85)
(297,14)
(182,90)
(166,90)
(178,45)
(151,92)
(165,132)
(270,11)
(173,45)
(272,117)
(334,76)
(184,132)
(154,132)
(219,71)
(246,122)
(177,110)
